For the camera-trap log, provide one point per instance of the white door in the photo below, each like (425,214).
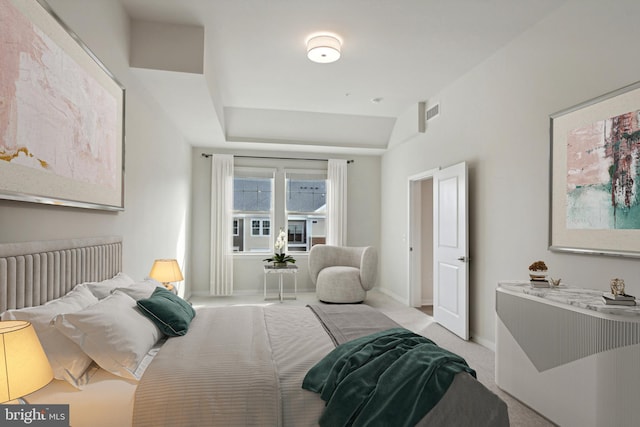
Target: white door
(450,250)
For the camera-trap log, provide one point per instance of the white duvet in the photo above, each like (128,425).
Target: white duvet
(220,340)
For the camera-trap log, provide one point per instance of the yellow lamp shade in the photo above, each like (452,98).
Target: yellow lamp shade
(24,367)
(165,271)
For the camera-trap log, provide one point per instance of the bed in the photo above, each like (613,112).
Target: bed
(242,365)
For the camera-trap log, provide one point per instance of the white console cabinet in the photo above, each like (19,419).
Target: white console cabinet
(567,355)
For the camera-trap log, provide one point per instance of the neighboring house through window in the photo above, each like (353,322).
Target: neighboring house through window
(260,227)
(252,209)
(306,207)
(260,204)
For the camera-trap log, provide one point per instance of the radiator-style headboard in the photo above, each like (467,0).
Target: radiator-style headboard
(32,273)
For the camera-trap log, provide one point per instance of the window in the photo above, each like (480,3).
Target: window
(266,198)
(306,206)
(252,209)
(297,232)
(255,227)
(260,227)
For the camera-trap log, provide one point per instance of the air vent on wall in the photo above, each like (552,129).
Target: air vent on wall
(433,112)
(424,115)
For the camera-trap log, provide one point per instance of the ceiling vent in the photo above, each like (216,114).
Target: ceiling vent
(424,115)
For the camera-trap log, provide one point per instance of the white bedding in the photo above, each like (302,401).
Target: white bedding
(240,366)
(93,406)
(297,339)
(107,401)
(296,342)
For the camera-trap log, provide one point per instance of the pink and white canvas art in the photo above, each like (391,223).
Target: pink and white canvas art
(595,175)
(61,114)
(603,173)
(54,116)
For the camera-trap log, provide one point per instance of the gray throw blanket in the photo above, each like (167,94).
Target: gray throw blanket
(345,322)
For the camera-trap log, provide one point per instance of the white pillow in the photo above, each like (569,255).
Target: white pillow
(141,290)
(103,289)
(67,359)
(113,333)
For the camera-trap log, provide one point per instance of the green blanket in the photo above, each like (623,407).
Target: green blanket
(392,377)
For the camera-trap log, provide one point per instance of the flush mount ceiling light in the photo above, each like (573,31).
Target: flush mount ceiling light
(323,48)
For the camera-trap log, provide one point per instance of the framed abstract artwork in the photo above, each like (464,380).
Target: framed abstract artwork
(595,176)
(61,114)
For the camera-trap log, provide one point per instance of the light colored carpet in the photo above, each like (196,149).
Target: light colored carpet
(478,357)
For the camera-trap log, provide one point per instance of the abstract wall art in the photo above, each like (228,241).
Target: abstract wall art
(595,175)
(61,114)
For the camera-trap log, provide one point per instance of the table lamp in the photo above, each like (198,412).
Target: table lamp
(165,271)
(24,367)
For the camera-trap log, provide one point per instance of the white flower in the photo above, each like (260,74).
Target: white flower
(280,257)
(281,240)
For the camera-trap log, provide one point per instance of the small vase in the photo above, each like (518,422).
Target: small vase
(279,264)
(538,274)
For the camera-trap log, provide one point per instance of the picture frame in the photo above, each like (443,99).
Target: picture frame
(594,192)
(62,114)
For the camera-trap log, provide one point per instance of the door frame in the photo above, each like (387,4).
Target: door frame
(414,235)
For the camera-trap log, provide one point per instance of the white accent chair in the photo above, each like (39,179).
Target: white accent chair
(343,274)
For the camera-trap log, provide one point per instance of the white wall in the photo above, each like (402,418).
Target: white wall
(155,223)
(363,214)
(497,119)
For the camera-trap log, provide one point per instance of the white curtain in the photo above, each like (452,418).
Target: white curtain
(221,278)
(337,202)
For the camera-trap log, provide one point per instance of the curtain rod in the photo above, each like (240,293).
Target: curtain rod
(277,158)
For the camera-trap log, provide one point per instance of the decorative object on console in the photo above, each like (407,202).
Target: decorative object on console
(166,271)
(538,270)
(617,301)
(617,286)
(280,258)
(554,282)
(23,363)
(593,181)
(539,284)
(617,295)
(538,274)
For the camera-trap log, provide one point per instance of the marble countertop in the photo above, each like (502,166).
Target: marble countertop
(589,299)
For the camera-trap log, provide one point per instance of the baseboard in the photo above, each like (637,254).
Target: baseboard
(426,302)
(491,345)
(393,295)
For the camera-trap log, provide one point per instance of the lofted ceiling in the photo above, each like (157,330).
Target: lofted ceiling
(259,90)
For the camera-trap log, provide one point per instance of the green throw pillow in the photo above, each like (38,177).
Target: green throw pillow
(169,312)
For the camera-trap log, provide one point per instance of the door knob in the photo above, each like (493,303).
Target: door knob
(463,259)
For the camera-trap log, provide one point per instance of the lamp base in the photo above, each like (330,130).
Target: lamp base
(170,288)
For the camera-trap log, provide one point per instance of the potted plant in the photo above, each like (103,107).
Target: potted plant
(279,258)
(538,271)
